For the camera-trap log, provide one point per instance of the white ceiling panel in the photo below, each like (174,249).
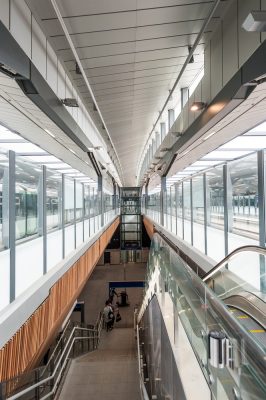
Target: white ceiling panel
(132,53)
(184,12)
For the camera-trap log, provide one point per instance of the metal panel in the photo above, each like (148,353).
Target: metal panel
(38,48)
(4,5)
(230,44)
(11,54)
(247,41)
(20,24)
(216,62)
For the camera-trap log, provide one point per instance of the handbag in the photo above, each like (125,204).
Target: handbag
(110,315)
(118,317)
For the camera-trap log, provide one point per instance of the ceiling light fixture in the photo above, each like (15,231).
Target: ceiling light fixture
(49,133)
(197,106)
(70,102)
(210,135)
(255,21)
(72,151)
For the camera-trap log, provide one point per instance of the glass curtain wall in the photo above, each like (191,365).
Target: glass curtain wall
(198,213)
(215,219)
(179,211)
(243,208)
(54,218)
(215,213)
(4,231)
(51,215)
(187,211)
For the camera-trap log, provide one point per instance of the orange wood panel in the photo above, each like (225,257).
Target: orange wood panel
(24,349)
(149,227)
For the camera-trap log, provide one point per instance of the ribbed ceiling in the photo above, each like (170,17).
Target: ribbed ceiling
(132,52)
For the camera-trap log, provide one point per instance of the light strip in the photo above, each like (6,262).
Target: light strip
(210,135)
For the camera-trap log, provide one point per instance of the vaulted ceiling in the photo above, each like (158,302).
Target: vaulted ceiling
(131,52)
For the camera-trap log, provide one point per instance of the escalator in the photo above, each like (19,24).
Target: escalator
(245,301)
(225,302)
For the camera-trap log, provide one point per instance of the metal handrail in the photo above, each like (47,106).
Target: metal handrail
(143,391)
(56,347)
(45,380)
(220,265)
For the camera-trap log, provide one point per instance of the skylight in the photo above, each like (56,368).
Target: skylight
(43,159)
(23,147)
(246,142)
(34,154)
(225,155)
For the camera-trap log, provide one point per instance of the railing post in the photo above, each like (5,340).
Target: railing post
(37,378)
(1,391)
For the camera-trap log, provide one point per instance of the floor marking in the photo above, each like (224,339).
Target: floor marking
(243,317)
(256,330)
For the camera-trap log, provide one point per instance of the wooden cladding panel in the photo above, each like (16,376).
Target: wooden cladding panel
(149,227)
(22,349)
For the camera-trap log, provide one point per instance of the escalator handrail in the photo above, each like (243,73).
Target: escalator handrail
(220,265)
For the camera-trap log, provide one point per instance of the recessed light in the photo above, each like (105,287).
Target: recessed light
(197,106)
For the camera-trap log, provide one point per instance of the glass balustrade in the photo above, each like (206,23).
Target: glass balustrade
(241,374)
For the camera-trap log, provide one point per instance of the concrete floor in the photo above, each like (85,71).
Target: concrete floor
(110,372)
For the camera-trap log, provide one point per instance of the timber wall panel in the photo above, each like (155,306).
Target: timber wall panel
(24,348)
(149,227)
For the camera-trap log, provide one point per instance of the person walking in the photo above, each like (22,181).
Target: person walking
(108,316)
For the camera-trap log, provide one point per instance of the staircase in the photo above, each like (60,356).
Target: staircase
(110,372)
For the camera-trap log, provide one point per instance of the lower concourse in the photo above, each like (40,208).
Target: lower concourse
(132,158)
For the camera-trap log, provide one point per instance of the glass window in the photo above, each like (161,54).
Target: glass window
(53,200)
(179,210)
(79,201)
(243,212)
(28,199)
(86,201)
(215,213)
(4,224)
(69,201)
(198,213)
(4,233)
(173,209)
(187,211)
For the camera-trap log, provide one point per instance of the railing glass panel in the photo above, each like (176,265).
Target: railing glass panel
(242,371)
